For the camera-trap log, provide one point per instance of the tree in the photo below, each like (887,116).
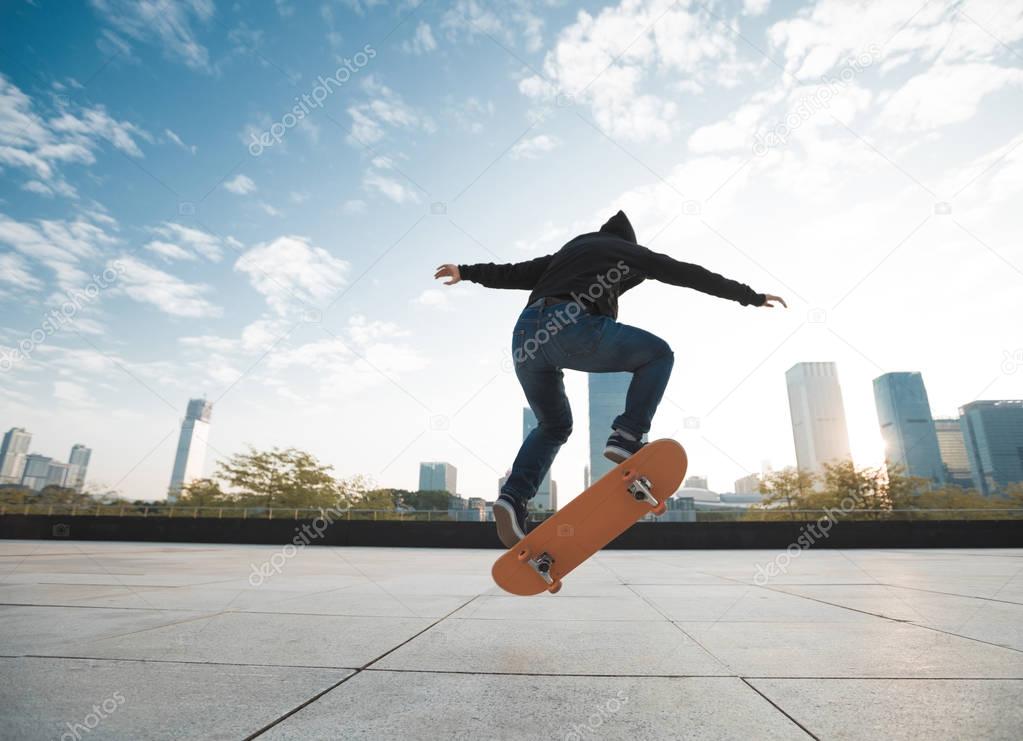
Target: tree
(203,493)
(285,478)
(783,491)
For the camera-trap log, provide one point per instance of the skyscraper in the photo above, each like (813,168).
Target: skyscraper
(953,452)
(993,432)
(818,415)
(191,454)
(37,471)
(543,499)
(79,461)
(607,400)
(904,414)
(13,454)
(438,476)
(697,482)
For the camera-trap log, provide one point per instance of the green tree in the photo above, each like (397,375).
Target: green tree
(283,478)
(783,492)
(204,493)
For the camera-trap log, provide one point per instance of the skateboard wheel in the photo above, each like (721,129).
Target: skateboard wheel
(523,554)
(555,587)
(660,509)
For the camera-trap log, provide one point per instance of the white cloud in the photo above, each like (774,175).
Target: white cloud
(168,251)
(269,210)
(72,393)
(422,41)
(195,241)
(354,206)
(240,184)
(504,21)
(755,7)
(291,273)
(60,245)
(605,61)
(168,25)
(385,109)
(166,292)
(177,140)
(14,270)
(389,187)
(534,147)
(31,142)
(945,95)
(433,298)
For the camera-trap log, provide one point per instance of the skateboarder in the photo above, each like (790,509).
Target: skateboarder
(569,322)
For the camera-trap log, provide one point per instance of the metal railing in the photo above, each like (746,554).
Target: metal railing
(475,515)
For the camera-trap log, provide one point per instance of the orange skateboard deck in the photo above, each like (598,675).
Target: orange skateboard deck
(633,488)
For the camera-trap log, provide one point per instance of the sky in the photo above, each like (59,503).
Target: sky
(247,202)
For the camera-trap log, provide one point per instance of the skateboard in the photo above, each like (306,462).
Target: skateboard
(635,487)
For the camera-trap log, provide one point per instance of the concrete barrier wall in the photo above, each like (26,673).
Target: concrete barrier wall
(657,535)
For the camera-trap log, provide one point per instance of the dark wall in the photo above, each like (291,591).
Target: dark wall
(667,535)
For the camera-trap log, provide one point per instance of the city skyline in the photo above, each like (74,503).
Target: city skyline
(35,471)
(153,253)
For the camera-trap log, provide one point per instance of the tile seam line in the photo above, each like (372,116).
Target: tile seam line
(355,673)
(777,707)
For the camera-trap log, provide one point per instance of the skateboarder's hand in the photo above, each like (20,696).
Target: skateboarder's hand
(768,298)
(450,272)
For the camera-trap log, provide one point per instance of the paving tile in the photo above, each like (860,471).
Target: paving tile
(378,704)
(734,603)
(879,648)
(901,709)
(565,605)
(263,638)
(55,698)
(55,630)
(556,647)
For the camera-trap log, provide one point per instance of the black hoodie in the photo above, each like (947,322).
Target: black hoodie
(596,268)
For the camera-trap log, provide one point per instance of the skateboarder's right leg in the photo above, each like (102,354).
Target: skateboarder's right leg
(545,391)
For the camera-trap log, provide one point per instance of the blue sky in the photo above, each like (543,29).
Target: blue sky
(860,160)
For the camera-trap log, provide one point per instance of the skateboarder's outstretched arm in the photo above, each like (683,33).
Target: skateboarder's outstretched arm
(521,275)
(669,270)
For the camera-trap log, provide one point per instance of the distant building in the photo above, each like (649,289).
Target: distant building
(696,482)
(79,461)
(438,476)
(502,481)
(59,474)
(953,452)
(606,401)
(36,475)
(993,432)
(586,477)
(542,500)
(818,415)
(904,414)
(748,484)
(13,455)
(190,458)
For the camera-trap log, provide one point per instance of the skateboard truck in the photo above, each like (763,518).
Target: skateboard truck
(640,488)
(542,566)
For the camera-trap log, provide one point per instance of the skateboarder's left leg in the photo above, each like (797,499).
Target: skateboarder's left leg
(545,391)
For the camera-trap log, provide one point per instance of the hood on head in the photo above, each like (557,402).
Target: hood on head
(619,226)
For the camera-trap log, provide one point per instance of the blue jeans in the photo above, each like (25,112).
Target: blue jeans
(549,339)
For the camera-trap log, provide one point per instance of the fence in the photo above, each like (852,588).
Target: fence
(477,515)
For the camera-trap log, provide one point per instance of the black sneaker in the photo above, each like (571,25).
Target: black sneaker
(619,447)
(510,515)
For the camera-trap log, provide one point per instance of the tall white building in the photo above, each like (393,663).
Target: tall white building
(192,443)
(13,455)
(36,474)
(438,476)
(79,462)
(818,415)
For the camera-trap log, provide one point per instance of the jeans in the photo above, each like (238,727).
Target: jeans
(549,339)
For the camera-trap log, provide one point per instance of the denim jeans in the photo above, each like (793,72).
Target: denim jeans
(550,339)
